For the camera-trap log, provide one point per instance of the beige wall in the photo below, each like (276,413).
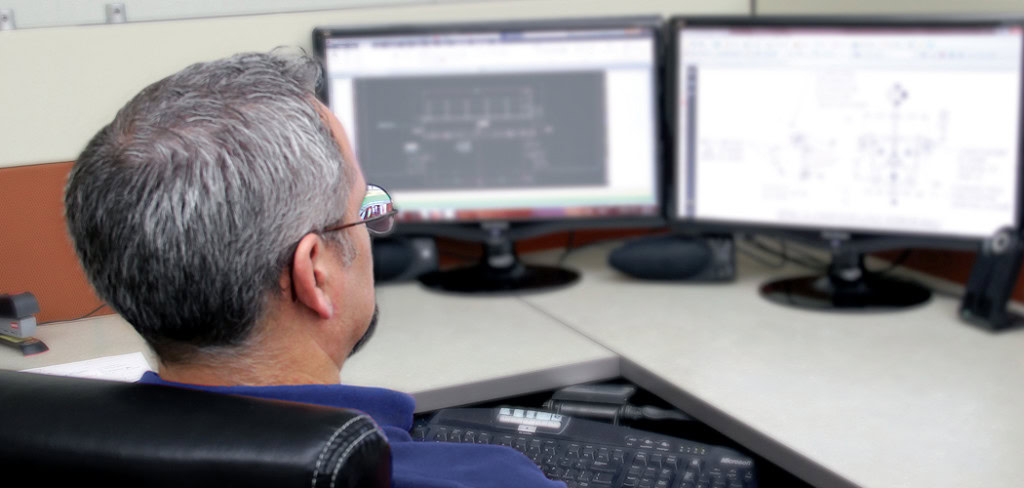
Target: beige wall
(869,7)
(59,85)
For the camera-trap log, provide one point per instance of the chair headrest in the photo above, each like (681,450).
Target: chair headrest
(78,430)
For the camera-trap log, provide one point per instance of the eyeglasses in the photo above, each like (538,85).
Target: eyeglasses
(377,212)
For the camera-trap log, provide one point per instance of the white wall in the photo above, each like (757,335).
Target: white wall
(30,14)
(59,85)
(870,7)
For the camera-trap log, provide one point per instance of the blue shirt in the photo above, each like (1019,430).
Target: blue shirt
(413,464)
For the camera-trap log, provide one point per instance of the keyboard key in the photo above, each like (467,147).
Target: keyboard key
(619,456)
(640,459)
(672,462)
(553,472)
(604,478)
(602,466)
(656,460)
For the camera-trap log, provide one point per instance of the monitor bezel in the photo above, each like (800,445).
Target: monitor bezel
(524,228)
(812,233)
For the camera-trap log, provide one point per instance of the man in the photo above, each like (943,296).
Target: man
(222,214)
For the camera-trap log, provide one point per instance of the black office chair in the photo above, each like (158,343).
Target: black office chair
(72,431)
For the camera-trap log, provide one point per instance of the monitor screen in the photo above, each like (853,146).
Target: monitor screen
(524,122)
(876,128)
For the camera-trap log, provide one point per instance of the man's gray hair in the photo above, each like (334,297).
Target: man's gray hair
(186,209)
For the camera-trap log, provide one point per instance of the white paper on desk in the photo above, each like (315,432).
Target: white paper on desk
(125,367)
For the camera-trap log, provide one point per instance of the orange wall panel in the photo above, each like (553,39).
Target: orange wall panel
(35,251)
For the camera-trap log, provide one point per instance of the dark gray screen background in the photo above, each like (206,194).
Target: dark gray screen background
(482,131)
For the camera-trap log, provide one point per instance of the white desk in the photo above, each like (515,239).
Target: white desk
(444,350)
(450,350)
(909,399)
(106,335)
(905,399)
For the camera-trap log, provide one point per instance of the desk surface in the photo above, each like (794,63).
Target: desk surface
(451,350)
(912,398)
(444,350)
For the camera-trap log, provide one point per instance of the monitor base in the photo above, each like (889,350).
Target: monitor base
(483,279)
(499,270)
(847,286)
(822,293)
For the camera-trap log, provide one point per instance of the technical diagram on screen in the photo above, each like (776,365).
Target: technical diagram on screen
(876,148)
(867,132)
(483,131)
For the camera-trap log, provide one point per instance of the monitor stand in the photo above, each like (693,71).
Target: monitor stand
(848,286)
(499,271)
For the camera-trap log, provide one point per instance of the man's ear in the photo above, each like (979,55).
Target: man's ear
(309,272)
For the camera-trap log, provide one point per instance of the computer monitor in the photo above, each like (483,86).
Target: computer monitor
(865,133)
(499,131)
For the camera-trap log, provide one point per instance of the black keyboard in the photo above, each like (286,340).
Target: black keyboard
(586,453)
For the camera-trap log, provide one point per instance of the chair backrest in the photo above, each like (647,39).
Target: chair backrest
(59,430)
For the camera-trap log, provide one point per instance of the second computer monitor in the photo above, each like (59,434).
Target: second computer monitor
(869,133)
(899,128)
(525,122)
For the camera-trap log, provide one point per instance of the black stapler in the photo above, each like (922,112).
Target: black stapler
(18,324)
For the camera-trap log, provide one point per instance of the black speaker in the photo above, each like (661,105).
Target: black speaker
(991,283)
(397,259)
(677,258)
